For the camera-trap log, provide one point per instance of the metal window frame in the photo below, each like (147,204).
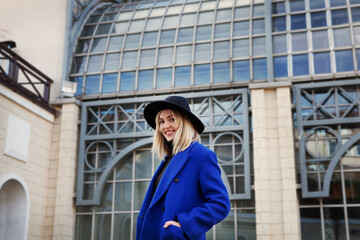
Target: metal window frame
(336,120)
(145,137)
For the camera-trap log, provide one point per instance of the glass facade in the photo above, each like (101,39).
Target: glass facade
(211,51)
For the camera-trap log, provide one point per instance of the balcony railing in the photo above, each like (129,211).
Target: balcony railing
(22,77)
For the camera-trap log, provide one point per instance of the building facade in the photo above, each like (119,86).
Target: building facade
(275,83)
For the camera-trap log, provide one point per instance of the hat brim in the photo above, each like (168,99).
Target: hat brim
(152,109)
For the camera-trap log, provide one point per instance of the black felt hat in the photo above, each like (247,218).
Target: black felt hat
(177,103)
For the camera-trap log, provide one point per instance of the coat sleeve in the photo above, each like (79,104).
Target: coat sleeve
(217,204)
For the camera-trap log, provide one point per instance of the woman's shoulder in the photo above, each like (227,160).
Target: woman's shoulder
(198,148)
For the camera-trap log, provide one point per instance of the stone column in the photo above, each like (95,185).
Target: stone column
(277,211)
(64,209)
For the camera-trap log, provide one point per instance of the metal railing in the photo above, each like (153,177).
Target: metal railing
(22,77)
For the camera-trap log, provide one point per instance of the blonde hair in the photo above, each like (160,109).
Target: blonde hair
(184,136)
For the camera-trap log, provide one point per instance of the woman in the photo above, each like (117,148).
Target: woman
(186,196)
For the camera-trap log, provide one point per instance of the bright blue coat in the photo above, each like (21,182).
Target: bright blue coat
(191,192)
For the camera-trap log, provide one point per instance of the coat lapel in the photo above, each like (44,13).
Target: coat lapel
(176,164)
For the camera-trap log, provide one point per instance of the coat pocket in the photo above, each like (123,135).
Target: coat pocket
(173,233)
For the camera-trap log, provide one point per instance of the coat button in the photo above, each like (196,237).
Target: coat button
(176,180)
(163,209)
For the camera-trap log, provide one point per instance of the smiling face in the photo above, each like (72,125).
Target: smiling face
(167,124)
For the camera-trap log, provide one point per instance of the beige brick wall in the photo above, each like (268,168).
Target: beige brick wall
(49,173)
(274,164)
(34,172)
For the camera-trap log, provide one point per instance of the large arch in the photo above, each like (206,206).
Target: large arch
(14,208)
(335,160)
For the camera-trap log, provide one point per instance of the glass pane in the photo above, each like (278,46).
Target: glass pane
(109,83)
(187,19)
(82,46)
(208,5)
(98,44)
(124,167)
(182,76)
(221,50)
(344,61)
(279,44)
(358,58)
(115,43)
(222,30)
(103,29)
(136,26)
(278,8)
(174,10)
(317,4)
(127,81)
(279,24)
(83,227)
(112,61)
(164,77)
(95,63)
(202,52)
(185,35)
(170,21)
(143,162)
(299,41)
(298,22)
(140,191)
(223,15)
(156,12)
(355,14)
(167,37)
(221,72)
(241,48)
(153,24)
(88,31)
(79,85)
(132,41)
(342,37)
(297,5)
(354,222)
(258,11)
(141,14)
(225,229)
(129,60)
(320,40)
(165,56)
(241,70)
(258,26)
(203,33)
(184,54)
(146,78)
(300,65)
(102,228)
(120,28)
(335,3)
(339,16)
(147,58)
(259,69)
(322,63)
(258,46)
(206,17)
(78,65)
(242,12)
(122,226)
(241,29)
(334,223)
(202,74)
(318,19)
(123,194)
(280,66)
(310,223)
(357,35)
(149,39)
(246,219)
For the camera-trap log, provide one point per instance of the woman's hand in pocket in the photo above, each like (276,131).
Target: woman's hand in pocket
(168,223)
